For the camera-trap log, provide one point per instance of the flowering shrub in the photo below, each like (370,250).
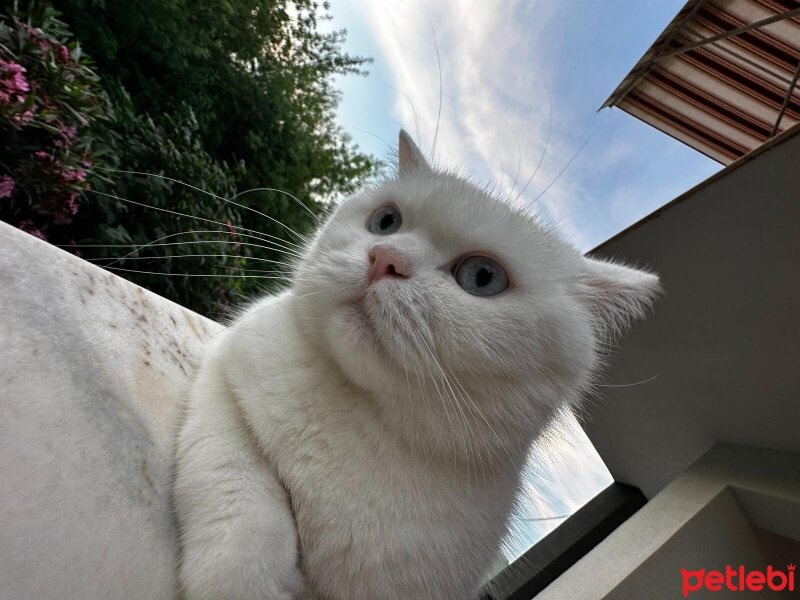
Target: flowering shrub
(49,97)
(57,124)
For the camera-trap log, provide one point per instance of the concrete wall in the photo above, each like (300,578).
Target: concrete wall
(719,355)
(735,506)
(91,375)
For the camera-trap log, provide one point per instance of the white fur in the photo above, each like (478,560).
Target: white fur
(388,422)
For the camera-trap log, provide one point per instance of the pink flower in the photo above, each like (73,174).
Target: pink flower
(12,78)
(64,55)
(42,155)
(19,82)
(22,119)
(72,204)
(67,132)
(73,176)
(231,228)
(28,227)
(7,185)
(34,32)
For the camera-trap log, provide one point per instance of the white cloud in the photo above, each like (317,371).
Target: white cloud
(498,61)
(495,107)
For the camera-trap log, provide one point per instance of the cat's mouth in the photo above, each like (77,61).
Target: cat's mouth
(362,315)
(377,317)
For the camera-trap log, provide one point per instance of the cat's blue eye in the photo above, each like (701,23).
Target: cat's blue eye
(481,276)
(385,220)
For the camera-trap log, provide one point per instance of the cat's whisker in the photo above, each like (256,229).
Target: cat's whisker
(473,407)
(408,396)
(235,256)
(223,275)
(450,398)
(469,440)
(519,162)
(283,274)
(461,407)
(156,243)
(180,214)
(292,196)
(288,251)
(447,409)
(624,385)
(565,167)
(376,136)
(502,172)
(439,110)
(411,104)
(546,142)
(444,410)
(211,194)
(424,397)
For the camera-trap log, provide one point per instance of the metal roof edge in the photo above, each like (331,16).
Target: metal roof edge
(685,14)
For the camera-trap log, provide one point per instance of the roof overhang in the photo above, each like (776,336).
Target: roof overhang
(722,77)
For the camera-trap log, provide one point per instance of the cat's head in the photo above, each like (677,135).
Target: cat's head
(429,278)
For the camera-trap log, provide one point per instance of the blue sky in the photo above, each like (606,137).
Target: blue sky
(510,71)
(503,71)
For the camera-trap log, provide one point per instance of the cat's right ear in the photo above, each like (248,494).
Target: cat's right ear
(618,294)
(410,157)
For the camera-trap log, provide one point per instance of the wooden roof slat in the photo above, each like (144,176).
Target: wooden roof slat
(722,110)
(747,81)
(680,121)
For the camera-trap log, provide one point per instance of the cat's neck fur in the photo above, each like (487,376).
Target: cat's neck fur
(440,419)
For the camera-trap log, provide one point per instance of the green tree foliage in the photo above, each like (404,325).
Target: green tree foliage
(256,73)
(138,215)
(224,95)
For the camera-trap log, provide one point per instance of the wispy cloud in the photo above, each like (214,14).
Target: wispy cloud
(520,82)
(497,114)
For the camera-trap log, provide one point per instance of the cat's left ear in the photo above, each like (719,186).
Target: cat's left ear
(618,294)
(410,157)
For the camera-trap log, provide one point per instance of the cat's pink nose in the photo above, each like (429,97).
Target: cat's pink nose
(386,261)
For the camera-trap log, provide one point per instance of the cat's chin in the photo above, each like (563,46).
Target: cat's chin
(358,346)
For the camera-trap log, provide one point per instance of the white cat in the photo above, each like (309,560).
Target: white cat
(361,435)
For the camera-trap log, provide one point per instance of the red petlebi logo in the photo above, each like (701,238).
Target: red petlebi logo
(738,580)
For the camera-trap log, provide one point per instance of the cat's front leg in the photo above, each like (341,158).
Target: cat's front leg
(238,537)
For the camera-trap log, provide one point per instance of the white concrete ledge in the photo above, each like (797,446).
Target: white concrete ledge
(735,506)
(92,371)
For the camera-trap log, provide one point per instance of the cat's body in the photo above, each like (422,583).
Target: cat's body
(362,435)
(369,508)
